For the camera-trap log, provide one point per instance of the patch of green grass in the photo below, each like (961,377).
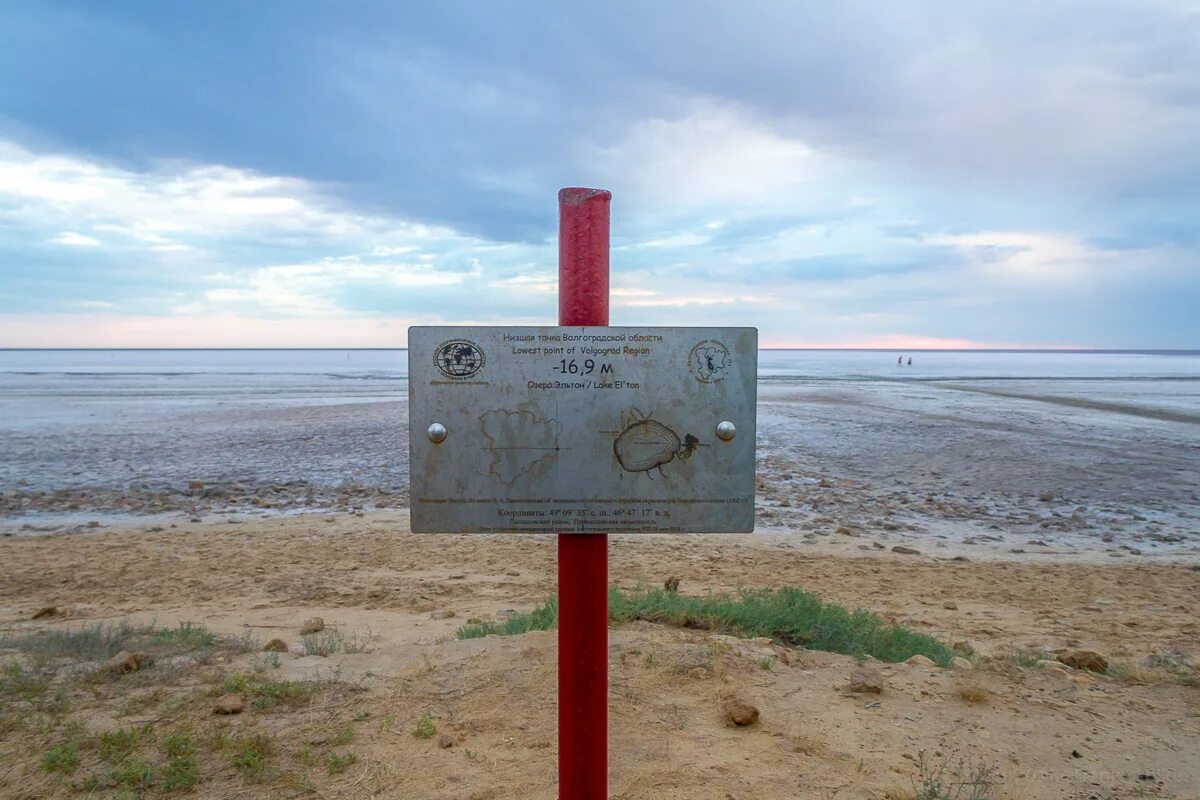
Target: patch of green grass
(339,764)
(266,695)
(542,618)
(178,744)
(186,636)
(133,773)
(344,736)
(251,756)
(21,683)
(181,772)
(425,729)
(1028,658)
(114,746)
(100,642)
(62,759)
(787,615)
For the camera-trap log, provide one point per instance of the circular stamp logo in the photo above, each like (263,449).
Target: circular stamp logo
(458,358)
(709,361)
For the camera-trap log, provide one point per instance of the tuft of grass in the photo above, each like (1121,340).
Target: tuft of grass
(133,773)
(115,746)
(62,759)
(966,781)
(787,615)
(100,642)
(332,640)
(972,691)
(266,695)
(178,744)
(22,684)
(542,618)
(181,772)
(251,756)
(339,764)
(344,736)
(425,729)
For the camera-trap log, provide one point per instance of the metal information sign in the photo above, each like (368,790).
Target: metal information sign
(563,429)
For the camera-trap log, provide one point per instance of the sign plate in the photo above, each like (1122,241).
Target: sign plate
(583,430)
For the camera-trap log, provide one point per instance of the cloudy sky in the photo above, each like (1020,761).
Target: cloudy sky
(847,174)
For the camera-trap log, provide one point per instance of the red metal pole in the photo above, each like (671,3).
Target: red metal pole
(583,557)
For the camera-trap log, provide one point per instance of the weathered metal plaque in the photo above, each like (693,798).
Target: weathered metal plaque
(584,430)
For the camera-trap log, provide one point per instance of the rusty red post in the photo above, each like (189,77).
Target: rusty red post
(583,218)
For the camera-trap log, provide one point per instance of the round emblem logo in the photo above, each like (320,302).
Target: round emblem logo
(458,358)
(709,361)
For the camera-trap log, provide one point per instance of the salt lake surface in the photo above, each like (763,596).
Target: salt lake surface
(959,444)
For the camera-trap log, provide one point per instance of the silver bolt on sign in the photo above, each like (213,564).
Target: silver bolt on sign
(726,431)
(436,432)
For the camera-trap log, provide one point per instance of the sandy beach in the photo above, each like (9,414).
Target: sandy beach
(1042,732)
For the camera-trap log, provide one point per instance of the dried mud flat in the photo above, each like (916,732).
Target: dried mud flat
(397,707)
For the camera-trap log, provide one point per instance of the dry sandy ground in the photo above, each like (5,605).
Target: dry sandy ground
(1045,734)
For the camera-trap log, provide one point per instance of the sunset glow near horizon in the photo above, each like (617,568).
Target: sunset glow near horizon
(222,175)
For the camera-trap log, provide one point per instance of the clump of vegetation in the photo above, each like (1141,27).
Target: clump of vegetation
(251,756)
(542,618)
(22,684)
(339,764)
(966,781)
(100,642)
(266,695)
(972,691)
(181,770)
(134,773)
(787,615)
(425,729)
(62,759)
(114,746)
(332,640)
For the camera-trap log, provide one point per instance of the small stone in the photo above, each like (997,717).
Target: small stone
(312,625)
(229,704)
(93,524)
(457,576)
(844,531)
(1085,659)
(441,613)
(48,611)
(739,713)
(445,741)
(195,486)
(125,661)
(275,646)
(961,663)
(1046,497)
(1058,668)
(950,605)
(671,584)
(867,680)
(919,660)
(906,551)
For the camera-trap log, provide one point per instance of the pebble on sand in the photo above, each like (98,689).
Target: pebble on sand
(739,713)
(441,613)
(48,611)
(867,680)
(919,660)
(312,625)
(229,704)
(906,551)
(125,661)
(275,646)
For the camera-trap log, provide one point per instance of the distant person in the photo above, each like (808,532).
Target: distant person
(910,361)
(899,361)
